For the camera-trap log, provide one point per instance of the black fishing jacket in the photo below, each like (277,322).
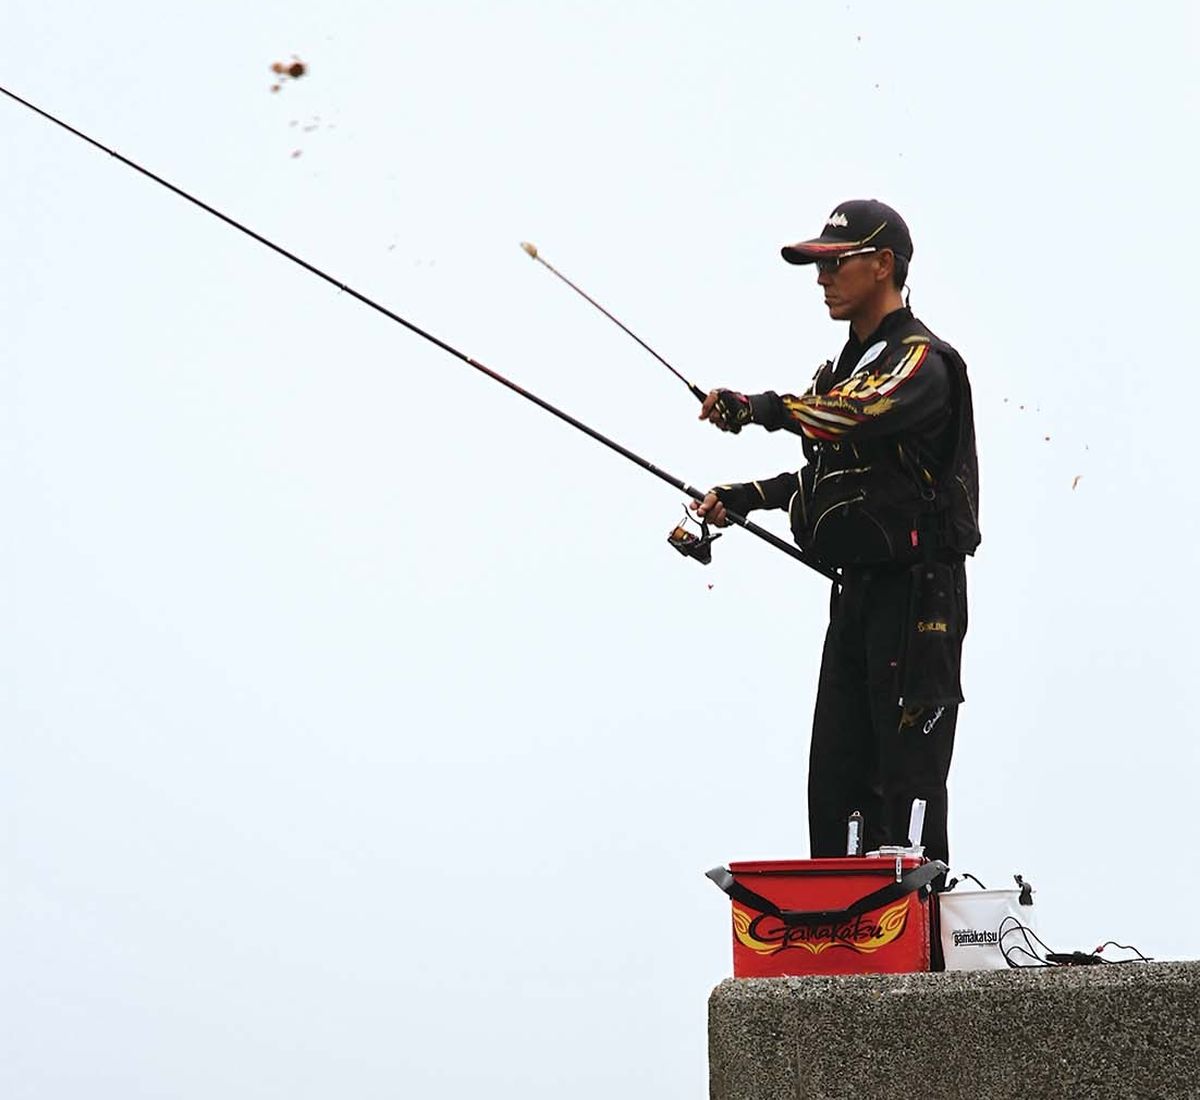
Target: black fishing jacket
(889,437)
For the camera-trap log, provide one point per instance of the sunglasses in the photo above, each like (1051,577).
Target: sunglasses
(830,265)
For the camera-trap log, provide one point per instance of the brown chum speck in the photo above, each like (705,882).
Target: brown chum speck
(288,70)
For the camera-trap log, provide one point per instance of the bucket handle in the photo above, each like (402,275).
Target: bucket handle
(913,879)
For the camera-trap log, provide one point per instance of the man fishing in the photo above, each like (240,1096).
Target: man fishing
(889,495)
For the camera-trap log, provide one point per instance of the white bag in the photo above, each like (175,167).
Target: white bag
(971,920)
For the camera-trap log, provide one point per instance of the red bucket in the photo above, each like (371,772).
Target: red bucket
(860,915)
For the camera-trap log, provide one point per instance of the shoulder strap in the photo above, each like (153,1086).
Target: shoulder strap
(913,879)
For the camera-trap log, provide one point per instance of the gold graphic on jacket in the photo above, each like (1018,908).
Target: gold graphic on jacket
(768,935)
(935,626)
(858,399)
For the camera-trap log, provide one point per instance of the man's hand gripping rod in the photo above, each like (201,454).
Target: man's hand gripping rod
(699,548)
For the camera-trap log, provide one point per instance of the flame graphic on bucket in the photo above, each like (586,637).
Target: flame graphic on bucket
(766,935)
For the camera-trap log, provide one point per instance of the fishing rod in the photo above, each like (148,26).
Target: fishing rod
(532,250)
(729,422)
(698,547)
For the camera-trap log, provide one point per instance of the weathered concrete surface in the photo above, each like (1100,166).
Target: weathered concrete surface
(1077,1033)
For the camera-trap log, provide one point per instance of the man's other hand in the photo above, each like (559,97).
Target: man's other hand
(727,409)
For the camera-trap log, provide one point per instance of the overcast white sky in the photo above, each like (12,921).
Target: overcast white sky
(363,737)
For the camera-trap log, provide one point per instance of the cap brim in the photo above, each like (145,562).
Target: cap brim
(809,252)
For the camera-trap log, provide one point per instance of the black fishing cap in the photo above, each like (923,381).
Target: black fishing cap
(859,223)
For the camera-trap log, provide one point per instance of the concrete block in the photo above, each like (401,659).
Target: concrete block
(1083,1033)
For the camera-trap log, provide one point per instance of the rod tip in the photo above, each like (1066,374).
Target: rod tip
(530,248)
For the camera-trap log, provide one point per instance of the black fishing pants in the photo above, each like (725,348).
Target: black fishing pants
(868,752)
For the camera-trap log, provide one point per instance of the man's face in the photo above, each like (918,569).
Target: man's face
(850,283)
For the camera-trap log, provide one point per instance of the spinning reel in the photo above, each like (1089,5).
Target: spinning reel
(691,545)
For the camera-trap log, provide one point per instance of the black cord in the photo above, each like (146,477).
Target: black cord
(1017,928)
(1123,947)
(956,880)
(1050,958)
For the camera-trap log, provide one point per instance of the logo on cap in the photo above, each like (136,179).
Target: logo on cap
(838,218)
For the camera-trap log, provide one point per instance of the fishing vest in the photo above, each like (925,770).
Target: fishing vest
(905,498)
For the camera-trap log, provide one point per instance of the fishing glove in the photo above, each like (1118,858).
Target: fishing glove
(750,496)
(739,499)
(734,409)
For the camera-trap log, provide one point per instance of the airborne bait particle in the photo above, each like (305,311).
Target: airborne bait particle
(292,70)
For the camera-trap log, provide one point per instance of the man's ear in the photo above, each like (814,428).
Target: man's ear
(887,264)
